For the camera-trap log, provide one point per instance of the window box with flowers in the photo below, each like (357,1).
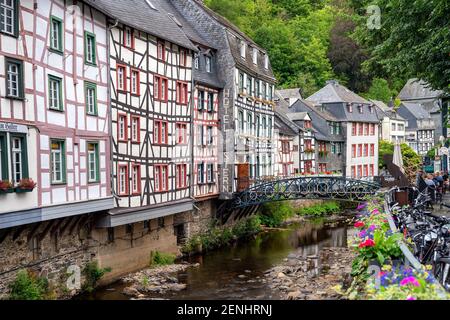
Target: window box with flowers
(25,185)
(309,150)
(6,187)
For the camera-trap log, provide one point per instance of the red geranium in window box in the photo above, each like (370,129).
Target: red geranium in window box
(25,185)
(6,187)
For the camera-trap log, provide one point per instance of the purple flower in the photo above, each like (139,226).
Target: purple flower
(361,206)
(372,228)
(410,298)
(362,234)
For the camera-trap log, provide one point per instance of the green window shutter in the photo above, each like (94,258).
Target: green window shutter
(4,157)
(19,64)
(97,161)
(59,22)
(60,99)
(63,166)
(24,156)
(91,86)
(88,36)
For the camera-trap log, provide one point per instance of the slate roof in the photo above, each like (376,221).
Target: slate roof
(413,112)
(138,15)
(247,64)
(281,110)
(334,92)
(382,110)
(186,26)
(284,126)
(290,93)
(319,120)
(416,89)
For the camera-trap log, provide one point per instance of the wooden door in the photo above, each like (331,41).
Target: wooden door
(243,176)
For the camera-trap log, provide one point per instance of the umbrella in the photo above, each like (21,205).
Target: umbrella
(397,159)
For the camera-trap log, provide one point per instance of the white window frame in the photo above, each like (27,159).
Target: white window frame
(134,81)
(57,157)
(13,79)
(135,169)
(208,63)
(135,128)
(210,172)
(90,95)
(92,162)
(8,11)
(122,180)
(128,37)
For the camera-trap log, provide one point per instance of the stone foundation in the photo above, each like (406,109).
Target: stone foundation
(49,249)
(130,251)
(46,250)
(198,220)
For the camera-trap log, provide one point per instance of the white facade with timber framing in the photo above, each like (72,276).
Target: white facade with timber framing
(54,116)
(151,95)
(246,102)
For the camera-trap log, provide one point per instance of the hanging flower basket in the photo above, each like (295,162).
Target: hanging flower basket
(25,185)
(6,187)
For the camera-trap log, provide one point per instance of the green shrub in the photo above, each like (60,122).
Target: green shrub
(161,259)
(93,274)
(319,210)
(217,237)
(273,214)
(28,286)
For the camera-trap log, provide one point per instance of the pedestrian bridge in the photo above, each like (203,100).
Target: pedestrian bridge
(315,187)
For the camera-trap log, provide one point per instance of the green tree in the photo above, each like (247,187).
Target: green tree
(411,160)
(413,41)
(380,90)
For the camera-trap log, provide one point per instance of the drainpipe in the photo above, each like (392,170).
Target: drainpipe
(111,153)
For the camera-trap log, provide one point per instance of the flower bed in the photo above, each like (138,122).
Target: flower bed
(378,271)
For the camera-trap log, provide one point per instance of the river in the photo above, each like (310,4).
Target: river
(237,271)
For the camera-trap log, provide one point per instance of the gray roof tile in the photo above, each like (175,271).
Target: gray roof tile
(138,15)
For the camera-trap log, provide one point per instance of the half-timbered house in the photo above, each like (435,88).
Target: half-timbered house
(286,136)
(328,134)
(246,113)
(54,111)
(54,135)
(359,124)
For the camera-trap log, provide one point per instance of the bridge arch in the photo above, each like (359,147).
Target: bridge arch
(316,187)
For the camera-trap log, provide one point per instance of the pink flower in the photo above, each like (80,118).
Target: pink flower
(410,298)
(359,224)
(410,280)
(367,243)
(375,211)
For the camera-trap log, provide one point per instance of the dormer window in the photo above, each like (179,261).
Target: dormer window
(196,61)
(255,56)
(371,109)
(349,108)
(360,109)
(208,64)
(266,61)
(243,47)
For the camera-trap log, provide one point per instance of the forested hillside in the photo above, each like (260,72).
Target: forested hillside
(311,41)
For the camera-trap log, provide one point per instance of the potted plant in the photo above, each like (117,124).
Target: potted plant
(25,185)
(6,187)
